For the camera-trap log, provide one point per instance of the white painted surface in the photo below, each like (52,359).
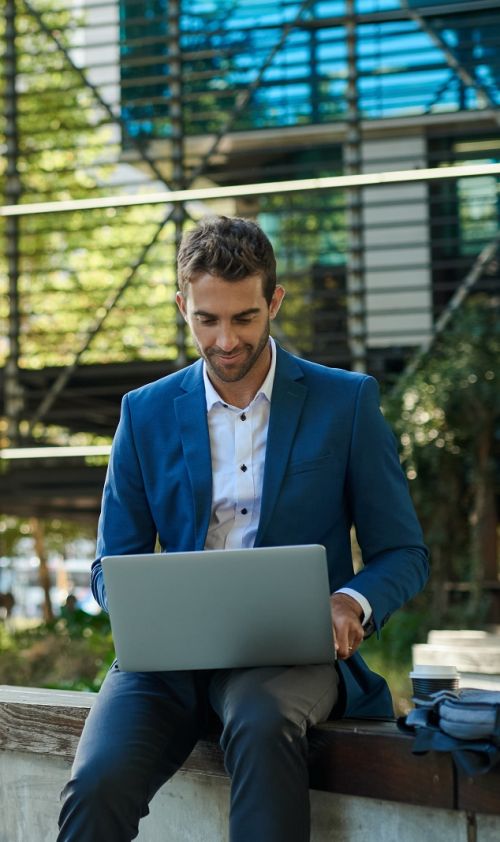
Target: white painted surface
(468,658)
(479,682)
(396,242)
(488,828)
(189,808)
(476,653)
(193,808)
(473,637)
(338,818)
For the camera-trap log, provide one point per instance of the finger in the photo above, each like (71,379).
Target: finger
(348,639)
(341,642)
(343,650)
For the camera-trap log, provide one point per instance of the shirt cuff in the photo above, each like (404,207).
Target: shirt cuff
(362,600)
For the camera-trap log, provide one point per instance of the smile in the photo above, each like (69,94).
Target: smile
(228,358)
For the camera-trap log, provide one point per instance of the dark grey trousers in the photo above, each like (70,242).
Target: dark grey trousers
(142,727)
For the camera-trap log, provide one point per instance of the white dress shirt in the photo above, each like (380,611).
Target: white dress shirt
(238,448)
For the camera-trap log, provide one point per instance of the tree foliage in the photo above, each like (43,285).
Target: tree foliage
(72,264)
(447,417)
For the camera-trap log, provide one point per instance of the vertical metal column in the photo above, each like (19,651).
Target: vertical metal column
(314,78)
(177,126)
(13,389)
(356,314)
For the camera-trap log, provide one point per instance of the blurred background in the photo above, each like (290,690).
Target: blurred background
(363,135)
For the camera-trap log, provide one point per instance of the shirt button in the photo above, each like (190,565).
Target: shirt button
(243,468)
(244,511)
(243,416)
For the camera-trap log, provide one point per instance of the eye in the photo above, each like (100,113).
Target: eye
(206,321)
(244,320)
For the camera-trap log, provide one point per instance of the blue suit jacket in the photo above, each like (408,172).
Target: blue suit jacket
(331,462)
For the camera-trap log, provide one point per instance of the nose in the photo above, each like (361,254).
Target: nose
(227,339)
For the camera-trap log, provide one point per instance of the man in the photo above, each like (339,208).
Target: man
(249,446)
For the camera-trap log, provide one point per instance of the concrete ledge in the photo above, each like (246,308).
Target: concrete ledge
(346,755)
(195,808)
(481,658)
(361,773)
(475,653)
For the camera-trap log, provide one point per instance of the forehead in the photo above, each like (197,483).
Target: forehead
(214,294)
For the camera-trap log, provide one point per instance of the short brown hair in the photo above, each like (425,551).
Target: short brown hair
(230,247)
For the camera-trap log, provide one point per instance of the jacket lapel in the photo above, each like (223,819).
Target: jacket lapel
(191,413)
(286,407)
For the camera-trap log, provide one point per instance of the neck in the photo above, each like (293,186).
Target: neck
(237,395)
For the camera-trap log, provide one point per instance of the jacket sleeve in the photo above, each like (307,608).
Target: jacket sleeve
(394,555)
(126,525)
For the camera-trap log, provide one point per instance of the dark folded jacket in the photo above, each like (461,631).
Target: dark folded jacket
(466,723)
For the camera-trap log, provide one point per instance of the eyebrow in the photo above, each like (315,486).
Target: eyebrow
(250,312)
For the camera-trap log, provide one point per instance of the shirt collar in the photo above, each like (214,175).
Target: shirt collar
(212,396)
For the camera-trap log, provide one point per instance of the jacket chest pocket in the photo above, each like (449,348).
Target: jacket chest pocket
(329,461)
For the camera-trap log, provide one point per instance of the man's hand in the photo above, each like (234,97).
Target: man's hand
(346,620)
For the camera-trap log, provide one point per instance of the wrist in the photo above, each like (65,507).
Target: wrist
(347,602)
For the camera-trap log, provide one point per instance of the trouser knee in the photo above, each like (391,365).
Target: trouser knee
(97,787)
(261,730)
(104,798)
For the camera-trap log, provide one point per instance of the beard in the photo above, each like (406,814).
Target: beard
(248,355)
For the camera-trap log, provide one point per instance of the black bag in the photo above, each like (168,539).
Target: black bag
(465,723)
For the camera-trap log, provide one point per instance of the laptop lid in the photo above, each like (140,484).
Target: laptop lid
(216,609)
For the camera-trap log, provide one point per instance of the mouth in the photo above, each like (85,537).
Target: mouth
(228,358)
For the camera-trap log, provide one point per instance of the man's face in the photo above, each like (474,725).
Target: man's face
(229,321)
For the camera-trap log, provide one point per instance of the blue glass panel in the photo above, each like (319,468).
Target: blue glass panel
(229,44)
(365,6)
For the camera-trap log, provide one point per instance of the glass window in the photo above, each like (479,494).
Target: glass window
(403,66)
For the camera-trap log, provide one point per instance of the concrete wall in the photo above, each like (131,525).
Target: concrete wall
(193,808)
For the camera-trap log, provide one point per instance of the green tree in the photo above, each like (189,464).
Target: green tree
(447,416)
(72,264)
(41,538)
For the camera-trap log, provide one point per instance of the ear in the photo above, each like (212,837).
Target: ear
(278,296)
(181,303)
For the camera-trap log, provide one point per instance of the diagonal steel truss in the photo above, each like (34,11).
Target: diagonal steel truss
(455,65)
(178,214)
(480,266)
(243,100)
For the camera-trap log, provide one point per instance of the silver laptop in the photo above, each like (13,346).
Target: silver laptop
(220,608)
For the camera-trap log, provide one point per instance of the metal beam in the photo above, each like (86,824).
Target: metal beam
(202,194)
(245,96)
(463,290)
(461,71)
(116,118)
(13,389)
(356,312)
(177,135)
(104,311)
